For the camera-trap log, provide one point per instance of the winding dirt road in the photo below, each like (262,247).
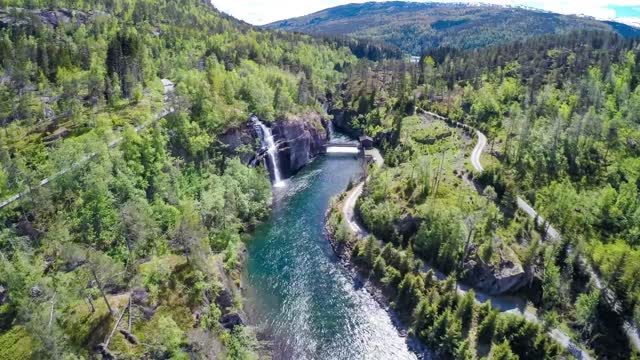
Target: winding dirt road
(348,211)
(551,233)
(504,304)
(477,151)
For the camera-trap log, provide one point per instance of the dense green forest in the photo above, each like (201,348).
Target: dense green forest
(133,211)
(565,137)
(149,229)
(561,115)
(416,27)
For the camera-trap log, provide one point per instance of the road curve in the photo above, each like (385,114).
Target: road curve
(503,304)
(552,233)
(629,327)
(349,205)
(348,211)
(169,87)
(477,151)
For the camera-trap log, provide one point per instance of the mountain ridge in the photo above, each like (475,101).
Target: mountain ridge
(415,26)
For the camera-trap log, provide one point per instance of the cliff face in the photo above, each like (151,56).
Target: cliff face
(241,142)
(342,121)
(506,278)
(301,138)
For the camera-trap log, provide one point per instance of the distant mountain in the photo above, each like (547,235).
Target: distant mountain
(417,26)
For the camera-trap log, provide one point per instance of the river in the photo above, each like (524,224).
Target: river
(297,291)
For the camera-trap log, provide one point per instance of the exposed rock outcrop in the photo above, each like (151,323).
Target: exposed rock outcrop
(231,320)
(241,142)
(508,277)
(224,300)
(54,18)
(299,139)
(342,121)
(302,138)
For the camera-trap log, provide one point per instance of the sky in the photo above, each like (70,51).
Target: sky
(259,12)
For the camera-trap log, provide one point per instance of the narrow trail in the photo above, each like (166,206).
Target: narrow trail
(505,304)
(169,87)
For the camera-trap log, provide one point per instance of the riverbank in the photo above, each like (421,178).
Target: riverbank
(343,251)
(344,245)
(298,293)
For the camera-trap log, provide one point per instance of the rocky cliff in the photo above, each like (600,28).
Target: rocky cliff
(342,121)
(508,277)
(241,142)
(301,138)
(33,17)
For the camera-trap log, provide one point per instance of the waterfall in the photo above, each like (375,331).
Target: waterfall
(330,129)
(266,138)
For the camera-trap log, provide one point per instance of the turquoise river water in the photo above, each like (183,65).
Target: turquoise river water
(299,294)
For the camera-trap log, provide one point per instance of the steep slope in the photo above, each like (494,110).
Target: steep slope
(416,26)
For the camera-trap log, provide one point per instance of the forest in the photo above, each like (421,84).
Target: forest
(122,206)
(146,223)
(416,27)
(560,114)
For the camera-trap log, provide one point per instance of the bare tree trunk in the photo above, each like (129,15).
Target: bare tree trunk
(466,247)
(113,331)
(93,308)
(53,303)
(104,296)
(130,317)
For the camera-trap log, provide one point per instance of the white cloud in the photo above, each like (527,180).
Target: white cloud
(634,21)
(596,8)
(265,11)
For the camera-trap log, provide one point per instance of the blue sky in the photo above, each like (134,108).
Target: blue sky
(626,11)
(265,11)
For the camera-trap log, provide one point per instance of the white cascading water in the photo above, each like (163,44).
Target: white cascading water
(330,130)
(266,137)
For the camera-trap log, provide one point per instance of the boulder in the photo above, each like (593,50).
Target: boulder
(36,291)
(147,312)
(224,300)
(233,319)
(140,296)
(507,278)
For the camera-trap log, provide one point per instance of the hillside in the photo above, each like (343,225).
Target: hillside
(561,122)
(416,26)
(132,203)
